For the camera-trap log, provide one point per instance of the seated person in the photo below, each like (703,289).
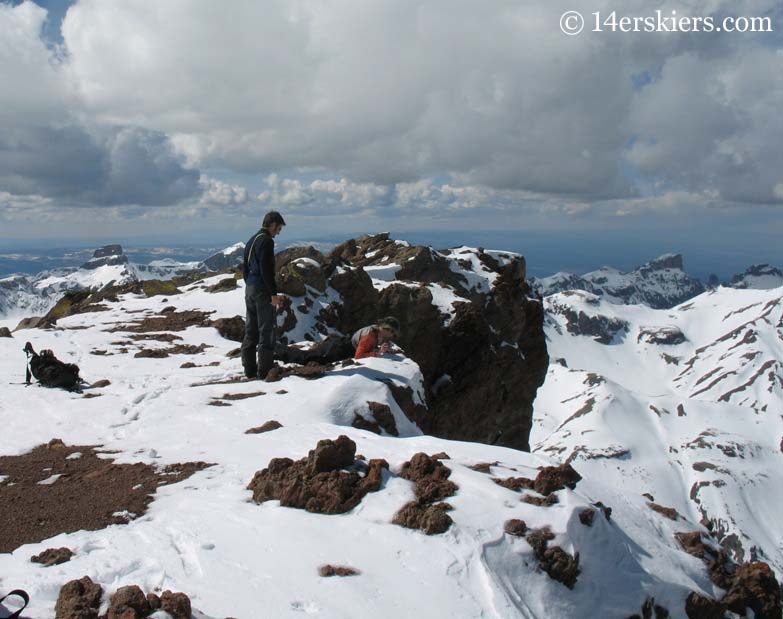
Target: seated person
(370,341)
(373,341)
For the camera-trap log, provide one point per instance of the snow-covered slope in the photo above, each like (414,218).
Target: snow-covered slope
(660,283)
(684,404)
(205,537)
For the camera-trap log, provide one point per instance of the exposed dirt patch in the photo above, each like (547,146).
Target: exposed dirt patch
(52,493)
(328,481)
(171,321)
(483,467)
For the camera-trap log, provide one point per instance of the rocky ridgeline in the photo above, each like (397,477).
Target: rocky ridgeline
(660,283)
(482,353)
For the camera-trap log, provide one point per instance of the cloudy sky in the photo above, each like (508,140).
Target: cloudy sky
(188,119)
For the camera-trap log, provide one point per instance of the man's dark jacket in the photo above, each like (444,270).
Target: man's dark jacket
(258,267)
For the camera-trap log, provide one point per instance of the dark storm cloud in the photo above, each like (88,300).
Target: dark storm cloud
(127,165)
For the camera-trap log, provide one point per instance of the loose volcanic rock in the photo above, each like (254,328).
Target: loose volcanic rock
(430,476)
(267,427)
(79,599)
(515,527)
(230,328)
(318,482)
(337,570)
(431,519)
(53,556)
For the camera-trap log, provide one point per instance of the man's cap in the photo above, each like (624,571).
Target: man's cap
(390,323)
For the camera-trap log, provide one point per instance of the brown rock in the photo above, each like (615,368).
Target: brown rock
(384,417)
(153,601)
(698,606)
(541,501)
(337,570)
(483,467)
(176,604)
(514,483)
(668,512)
(128,603)
(754,586)
(318,483)
(224,285)
(267,427)
(430,476)
(99,384)
(586,516)
(5,332)
(552,478)
(560,566)
(556,562)
(515,527)
(431,519)
(539,539)
(53,556)
(230,328)
(79,599)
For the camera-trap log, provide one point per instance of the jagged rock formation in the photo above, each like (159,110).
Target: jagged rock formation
(467,319)
(758,276)
(660,283)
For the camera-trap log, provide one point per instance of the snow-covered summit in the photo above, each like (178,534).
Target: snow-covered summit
(521,542)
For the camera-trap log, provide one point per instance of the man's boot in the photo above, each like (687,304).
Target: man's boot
(266,361)
(249,363)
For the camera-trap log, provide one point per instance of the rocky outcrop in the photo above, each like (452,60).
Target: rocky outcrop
(660,283)
(108,255)
(750,585)
(460,349)
(665,336)
(555,561)
(426,513)
(81,599)
(602,329)
(328,481)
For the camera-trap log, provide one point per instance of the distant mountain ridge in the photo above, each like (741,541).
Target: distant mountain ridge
(660,284)
(37,294)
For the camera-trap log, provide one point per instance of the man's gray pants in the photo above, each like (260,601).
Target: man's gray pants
(259,342)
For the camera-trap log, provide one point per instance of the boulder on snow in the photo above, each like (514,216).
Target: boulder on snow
(319,483)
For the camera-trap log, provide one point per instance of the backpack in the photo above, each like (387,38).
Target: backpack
(49,371)
(358,335)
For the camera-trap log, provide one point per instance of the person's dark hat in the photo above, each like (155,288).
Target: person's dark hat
(273,217)
(390,323)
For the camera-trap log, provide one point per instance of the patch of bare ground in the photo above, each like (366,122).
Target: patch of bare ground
(52,490)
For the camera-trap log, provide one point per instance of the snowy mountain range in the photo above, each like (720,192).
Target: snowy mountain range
(25,295)
(652,486)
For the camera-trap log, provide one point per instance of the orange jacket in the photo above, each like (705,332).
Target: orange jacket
(367,345)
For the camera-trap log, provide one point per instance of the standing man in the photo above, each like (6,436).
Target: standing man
(261,298)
